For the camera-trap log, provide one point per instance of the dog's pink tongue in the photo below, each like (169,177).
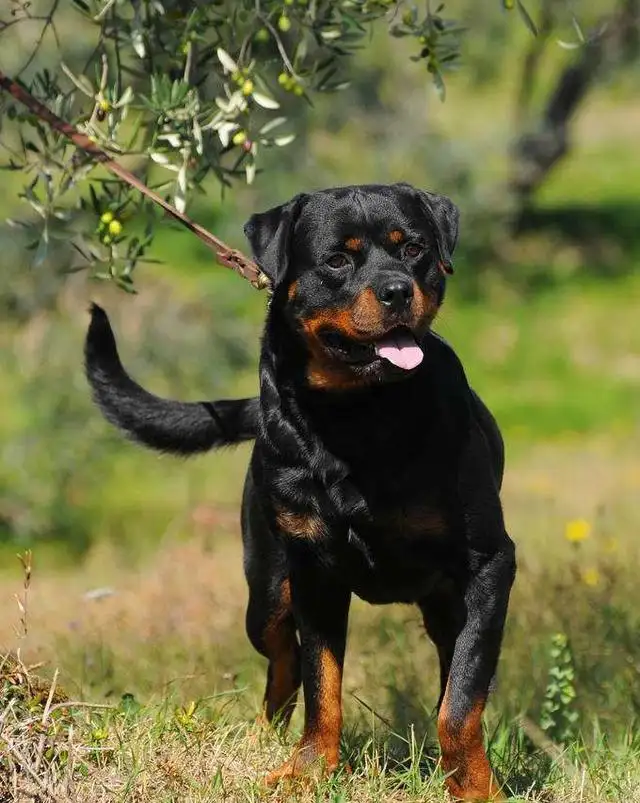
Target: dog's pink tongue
(401,349)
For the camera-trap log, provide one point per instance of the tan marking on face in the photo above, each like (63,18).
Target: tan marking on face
(363,321)
(300,525)
(293,289)
(424,307)
(325,375)
(395,236)
(323,371)
(464,757)
(367,316)
(354,244)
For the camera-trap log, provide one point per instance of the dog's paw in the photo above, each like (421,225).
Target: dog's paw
(490,793)
(309,763)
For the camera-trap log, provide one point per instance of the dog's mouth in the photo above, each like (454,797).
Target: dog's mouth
(398,347)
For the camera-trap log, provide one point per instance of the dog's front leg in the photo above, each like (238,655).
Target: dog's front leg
(474,662)
(321,610)
(484,598)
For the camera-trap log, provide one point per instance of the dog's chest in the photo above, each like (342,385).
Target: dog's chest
(411,541)
(401,461)
(398,564)
(408,491)
(403,524)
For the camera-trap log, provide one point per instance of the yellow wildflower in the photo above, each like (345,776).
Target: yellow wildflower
(577,530)
(591,577)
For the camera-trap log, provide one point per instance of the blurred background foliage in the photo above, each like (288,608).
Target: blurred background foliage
(537,141)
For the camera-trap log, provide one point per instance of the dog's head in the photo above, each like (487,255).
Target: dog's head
(360,274)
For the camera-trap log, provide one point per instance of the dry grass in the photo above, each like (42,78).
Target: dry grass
(210,753)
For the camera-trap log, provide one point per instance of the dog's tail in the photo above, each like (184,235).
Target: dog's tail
(181,428)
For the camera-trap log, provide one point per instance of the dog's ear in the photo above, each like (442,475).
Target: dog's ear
(269,234)
(445,216)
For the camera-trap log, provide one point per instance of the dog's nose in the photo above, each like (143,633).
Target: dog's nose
(396,293)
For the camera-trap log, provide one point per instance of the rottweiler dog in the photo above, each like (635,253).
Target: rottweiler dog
(376,469)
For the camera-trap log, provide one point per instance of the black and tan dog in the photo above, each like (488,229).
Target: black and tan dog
(376,468)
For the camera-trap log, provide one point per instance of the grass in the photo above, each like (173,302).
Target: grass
(205,751)
(554,364)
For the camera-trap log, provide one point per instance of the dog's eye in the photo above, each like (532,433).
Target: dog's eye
(413,250)
(338,261)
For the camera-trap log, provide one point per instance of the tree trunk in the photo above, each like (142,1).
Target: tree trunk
(536,152)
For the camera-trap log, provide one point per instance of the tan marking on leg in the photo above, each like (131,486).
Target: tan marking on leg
(318,751)
(463,756)
(329,724)
(283,679)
